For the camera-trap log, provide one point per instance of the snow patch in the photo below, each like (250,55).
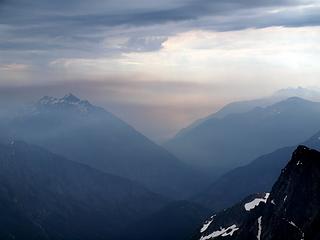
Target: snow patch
(259,228)
(293,224)
(206,225)
(272,202)
(223,232)
(71,100)
(251,205)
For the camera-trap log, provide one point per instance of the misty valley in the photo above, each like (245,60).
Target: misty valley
(159,120)
(73,170)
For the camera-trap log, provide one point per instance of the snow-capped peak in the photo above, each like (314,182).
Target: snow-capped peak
(69,100)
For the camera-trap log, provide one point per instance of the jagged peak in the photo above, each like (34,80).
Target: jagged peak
(67,100)
(71,98)
(303,157)
(301,149)
(299,155)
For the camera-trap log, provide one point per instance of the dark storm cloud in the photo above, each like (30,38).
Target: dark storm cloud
(78,28)
(59,23)
(72,12)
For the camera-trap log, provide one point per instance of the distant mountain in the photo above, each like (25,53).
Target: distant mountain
(44,196)
(290,211)
(220,144)
(82,132)
(176,221)
(257,176)
(248,105)
(306,93)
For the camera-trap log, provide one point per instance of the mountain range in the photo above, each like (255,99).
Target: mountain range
(257,176)
(45,196)
(84,133)
(72,170)
(250,135)
(248,105)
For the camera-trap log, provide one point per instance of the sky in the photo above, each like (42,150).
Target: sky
(159,65)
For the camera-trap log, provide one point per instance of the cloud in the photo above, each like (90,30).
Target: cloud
(41,31)
(13,67)
(77,24)
(182,57)
(202,56)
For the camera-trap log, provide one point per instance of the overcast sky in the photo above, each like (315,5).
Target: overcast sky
(159,65)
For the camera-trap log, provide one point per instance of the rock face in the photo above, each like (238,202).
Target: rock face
(44,196)
(84,133)
(290,211)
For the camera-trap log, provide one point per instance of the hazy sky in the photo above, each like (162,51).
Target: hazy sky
(159,65)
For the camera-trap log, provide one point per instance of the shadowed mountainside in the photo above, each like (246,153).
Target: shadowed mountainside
(44,196)
(290,211)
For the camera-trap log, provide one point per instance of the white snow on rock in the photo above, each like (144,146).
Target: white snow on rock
(259,228)
(293,224)
(251,205)
(223,232)
(71,100)
(206,225)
